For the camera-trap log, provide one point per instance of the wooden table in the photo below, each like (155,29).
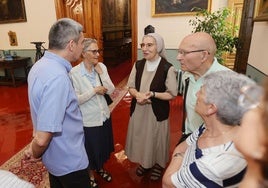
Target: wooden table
(9,66)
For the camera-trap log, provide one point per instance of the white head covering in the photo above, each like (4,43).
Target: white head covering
(159,43)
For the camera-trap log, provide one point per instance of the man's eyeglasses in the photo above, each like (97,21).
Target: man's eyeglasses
(184,53)
(95,51)
(148,45)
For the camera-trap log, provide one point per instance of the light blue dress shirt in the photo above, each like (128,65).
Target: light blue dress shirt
(54,108)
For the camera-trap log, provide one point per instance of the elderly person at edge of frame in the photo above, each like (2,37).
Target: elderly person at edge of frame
(208,158)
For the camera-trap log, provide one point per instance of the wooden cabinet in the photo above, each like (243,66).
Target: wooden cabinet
(9,67)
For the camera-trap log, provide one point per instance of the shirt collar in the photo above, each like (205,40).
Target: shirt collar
(211,69)
(59,60)
(84,71)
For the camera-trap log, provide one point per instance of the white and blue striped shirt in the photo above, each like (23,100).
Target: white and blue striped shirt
(217,166)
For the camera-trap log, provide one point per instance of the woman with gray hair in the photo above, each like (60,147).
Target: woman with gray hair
(208,157)
(152,83)
(91,81)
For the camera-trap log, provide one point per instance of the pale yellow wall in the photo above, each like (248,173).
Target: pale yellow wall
(258,55)
(171,28)
(40,16)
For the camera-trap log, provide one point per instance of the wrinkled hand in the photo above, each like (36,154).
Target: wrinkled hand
(100,90)
(149,94)
(143,98)
(98,68)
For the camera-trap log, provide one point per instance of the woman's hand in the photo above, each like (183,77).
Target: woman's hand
(143,98)
(100,90)
(98,68)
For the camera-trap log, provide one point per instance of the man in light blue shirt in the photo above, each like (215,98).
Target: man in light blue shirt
(58,126)
(196,56)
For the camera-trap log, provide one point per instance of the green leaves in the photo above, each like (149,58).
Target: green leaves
(218,26)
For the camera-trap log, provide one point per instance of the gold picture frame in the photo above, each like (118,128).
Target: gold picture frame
(178,7)
(261,10)
(12,11)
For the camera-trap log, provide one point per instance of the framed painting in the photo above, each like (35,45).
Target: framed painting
(178,7)
(116,13)
(261,10)
(12,11)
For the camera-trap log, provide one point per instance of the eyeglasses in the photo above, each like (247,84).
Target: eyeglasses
(148,45)
(184,53)
(94,51)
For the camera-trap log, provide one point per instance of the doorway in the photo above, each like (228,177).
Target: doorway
(89,14)
(116,31)
(236,8)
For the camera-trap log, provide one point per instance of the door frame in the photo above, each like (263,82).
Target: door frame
(134,22)
(245,35)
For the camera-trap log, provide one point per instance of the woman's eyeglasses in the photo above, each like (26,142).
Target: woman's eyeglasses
(95,51)
(148,45)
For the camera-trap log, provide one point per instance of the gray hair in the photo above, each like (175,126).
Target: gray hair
(222,88)
(62,32)
(88,42)
(159,43)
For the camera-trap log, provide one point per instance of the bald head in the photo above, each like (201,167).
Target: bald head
(196,53)
(201,40)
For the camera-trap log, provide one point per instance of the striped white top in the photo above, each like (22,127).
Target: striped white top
(10,180)
(218,166)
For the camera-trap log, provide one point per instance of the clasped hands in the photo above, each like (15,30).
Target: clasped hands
(144,98)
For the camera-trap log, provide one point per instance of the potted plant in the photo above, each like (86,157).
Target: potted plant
(217,25)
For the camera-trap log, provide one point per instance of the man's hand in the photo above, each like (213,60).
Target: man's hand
(28,154)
